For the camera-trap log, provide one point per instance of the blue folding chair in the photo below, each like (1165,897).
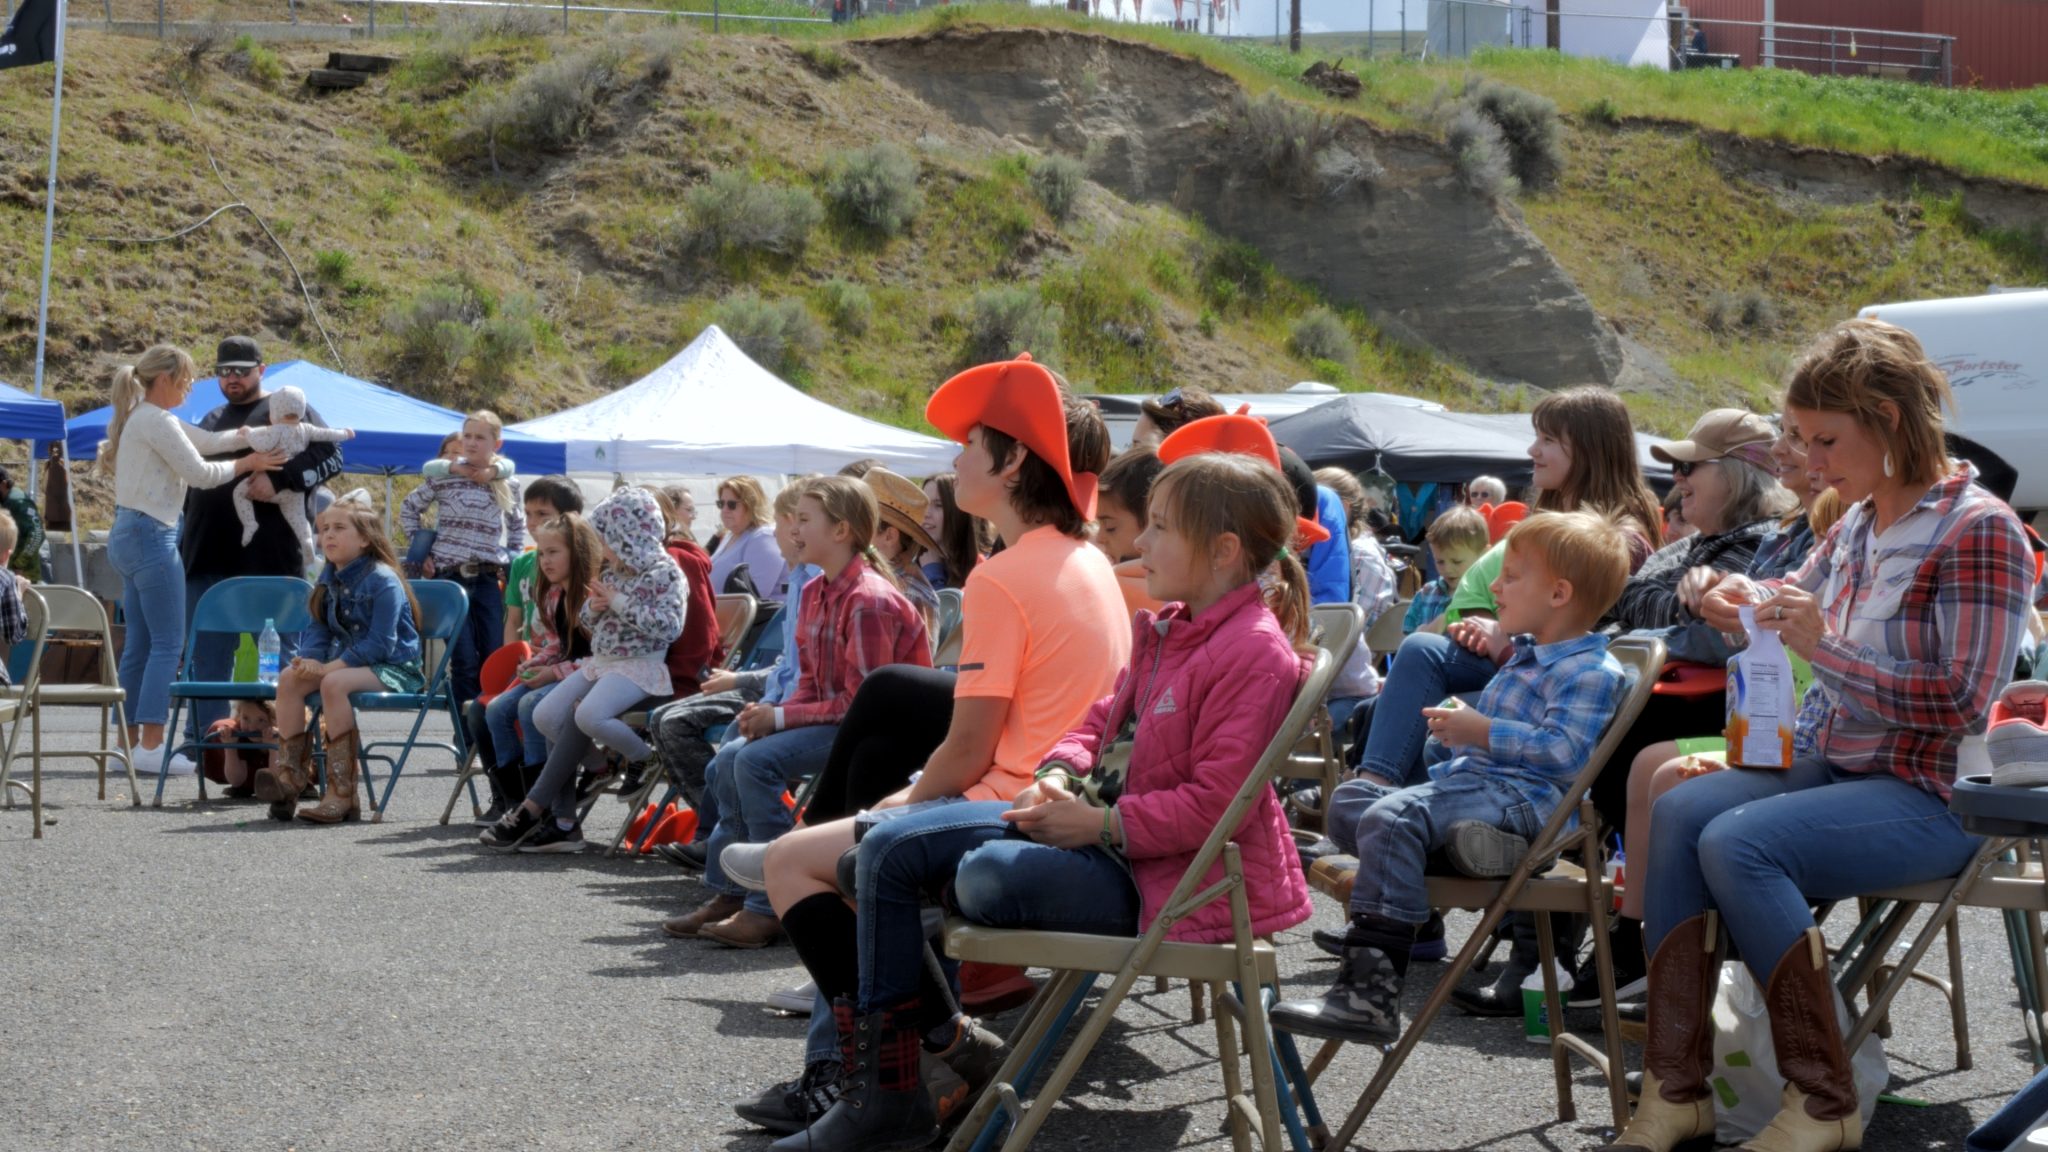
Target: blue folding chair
(236,605)
(444,606)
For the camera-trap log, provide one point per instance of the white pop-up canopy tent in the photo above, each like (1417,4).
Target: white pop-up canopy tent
(712,411)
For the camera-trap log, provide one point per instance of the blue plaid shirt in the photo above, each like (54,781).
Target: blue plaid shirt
(1430,601)
(1549,704)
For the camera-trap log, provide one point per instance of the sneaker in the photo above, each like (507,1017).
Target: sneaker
(492,815)
(1501,996)
(631,779)
(553,840)
(1477,848)
(798,1001)
(975,1055)
(510,829)
(789,1107)
(1363,1007)
(746,865)
(2018,740)
(590,783)
(180,765)
(689,857)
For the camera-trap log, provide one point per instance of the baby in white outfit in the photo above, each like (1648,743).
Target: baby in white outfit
(287,432)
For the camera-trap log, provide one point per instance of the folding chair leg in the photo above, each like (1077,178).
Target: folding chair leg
(1265,1094)
(1881,1004)
(1958,1010)
(1233,1083)
(1307,1129)
(127,755)
(465,773)
(1032,1041)
(1546,962)
(101,759)
(634,804)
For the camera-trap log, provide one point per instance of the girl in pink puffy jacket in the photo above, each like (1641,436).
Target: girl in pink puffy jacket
(1123,803)
(1118,808)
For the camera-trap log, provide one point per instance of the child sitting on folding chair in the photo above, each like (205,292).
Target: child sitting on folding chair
(851,620)
(681,729)
(634,611)
(364,638)
(1539,719)
(567,558)
(248,722)
(1119,806)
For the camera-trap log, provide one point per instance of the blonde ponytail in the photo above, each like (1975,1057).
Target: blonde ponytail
(129,385)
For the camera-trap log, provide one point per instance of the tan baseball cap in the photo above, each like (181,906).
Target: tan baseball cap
(1722,432)
(902,504)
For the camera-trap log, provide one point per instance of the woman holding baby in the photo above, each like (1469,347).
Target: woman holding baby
(154,457)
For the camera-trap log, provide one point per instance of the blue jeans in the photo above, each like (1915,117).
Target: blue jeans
(1392,831)
(1759,844)
(1016,882)
(510,719)
(213,658)
(749,785)
(144,550)
(907,855)
(483,632)
(1426,668)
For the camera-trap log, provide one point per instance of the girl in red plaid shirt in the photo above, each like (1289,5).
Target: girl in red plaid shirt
(1911,612)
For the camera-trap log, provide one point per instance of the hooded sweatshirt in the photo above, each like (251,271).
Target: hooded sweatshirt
(631,636)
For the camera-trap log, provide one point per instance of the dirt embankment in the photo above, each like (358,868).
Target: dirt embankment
(1406,240)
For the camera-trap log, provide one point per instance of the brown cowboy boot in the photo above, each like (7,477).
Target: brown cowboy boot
(340,803)
(1676,1109)
(281,782)
(1818,1112)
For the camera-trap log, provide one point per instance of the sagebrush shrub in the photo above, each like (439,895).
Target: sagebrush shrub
(1528,124)
(1056,181)
(780,335)
(1480,154)
(876,186)
(1321,335)
(431,332)
(1011,319)
(848,307)
(734,211)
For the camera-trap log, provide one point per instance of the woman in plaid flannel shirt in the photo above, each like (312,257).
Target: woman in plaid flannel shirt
(1911,613)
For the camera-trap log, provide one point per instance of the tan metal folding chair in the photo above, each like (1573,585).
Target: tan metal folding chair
(75,610)
(1386,634)
(18,704)
(1568,887)
(736,611)
(1075,959)
(1336,628)
(2015,887)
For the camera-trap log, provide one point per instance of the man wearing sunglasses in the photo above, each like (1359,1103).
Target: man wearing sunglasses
(210,540)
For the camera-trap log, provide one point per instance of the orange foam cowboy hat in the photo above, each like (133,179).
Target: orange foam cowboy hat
(1245,436)
(1021,399)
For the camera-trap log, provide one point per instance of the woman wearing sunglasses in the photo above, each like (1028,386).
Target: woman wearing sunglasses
(746,537)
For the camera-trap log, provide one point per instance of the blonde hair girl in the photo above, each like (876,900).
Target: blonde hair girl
(154,457)
(364,638)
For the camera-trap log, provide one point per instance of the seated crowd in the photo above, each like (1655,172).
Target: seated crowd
(1133,631)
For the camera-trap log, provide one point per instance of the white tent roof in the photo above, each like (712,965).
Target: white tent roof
(713,411)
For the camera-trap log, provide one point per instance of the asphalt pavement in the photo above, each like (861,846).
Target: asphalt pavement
(198,977)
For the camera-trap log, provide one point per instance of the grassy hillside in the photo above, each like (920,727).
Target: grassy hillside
(523,219)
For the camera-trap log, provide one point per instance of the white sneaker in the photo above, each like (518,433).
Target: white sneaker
(746,865)
(797,1001)
(181,765)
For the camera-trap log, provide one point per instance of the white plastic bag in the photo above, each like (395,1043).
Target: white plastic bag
(1745,1080)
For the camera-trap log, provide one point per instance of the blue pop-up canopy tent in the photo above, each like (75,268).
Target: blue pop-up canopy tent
(26,417)
(395,433)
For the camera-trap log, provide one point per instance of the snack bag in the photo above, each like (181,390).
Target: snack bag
(1760,700)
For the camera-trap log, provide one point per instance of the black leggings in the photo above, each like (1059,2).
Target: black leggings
(898,719)
(1663,718)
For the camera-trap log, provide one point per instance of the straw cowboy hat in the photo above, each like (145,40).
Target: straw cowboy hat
(902,504)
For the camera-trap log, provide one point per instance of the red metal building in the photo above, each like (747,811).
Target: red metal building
(1998,43)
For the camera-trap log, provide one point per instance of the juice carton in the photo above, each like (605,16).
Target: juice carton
(1760,701)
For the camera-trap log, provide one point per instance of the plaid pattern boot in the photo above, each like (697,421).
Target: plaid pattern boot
(883,1106)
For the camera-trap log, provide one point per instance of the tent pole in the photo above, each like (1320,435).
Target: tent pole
(50,210)
(71,507)
(387,503)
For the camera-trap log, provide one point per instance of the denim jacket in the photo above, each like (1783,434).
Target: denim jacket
(365,620)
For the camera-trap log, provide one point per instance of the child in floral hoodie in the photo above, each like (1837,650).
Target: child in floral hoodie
(633,612)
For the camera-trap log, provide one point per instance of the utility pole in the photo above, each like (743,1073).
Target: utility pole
(1294,26)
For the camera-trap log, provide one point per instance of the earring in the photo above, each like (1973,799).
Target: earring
(1887,465)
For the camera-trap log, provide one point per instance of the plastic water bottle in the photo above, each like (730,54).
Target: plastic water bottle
(268,649)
